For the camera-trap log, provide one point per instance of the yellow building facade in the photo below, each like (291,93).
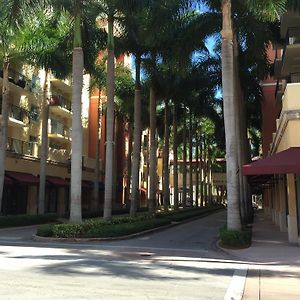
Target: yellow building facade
(280,170)
(24,141)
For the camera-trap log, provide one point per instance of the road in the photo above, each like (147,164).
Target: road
(181,262)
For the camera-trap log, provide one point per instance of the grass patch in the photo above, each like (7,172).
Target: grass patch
(235,239)
(120,225)
(23,220)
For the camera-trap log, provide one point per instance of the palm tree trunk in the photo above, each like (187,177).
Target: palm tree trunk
(209,164)
(76,157)
(233,211)
(191,194)
(175,160)
(153,150)
(130,138)
(136,155)
(197,169)
(95,202)
(205,169)
(243,145)
(110,89)
(166,177)
(44,147)
(3,130)
(201,173)
(184,163)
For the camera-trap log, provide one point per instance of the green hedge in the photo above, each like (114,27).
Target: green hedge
(23,220)
(234,238)
(177,216)
(118,226)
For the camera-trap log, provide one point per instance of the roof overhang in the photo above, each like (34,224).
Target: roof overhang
(22,178)
(285,162)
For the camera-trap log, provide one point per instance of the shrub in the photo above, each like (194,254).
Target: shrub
(45,230)
(234,238)
(22,220)
(119,226)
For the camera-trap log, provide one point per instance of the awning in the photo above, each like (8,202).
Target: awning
(284,162)
(22,178)
(57,181)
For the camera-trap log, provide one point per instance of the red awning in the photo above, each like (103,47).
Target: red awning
(57,181)
(23,178)
(285,162)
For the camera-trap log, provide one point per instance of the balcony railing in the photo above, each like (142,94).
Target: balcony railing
(60,129)
(58,100)
(18,79)
(19,114)
(58,155)
(22,147)
(292,38)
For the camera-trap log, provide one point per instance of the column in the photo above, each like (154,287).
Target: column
(32,199)
(292,213)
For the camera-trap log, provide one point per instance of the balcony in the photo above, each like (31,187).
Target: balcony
(62,86)
(291,54)
(290,99)
(60,106)
(21,147)
(58,155)
(18,116)
(18,81)
(279,91)
(288,124)
(278,64)
(58,132)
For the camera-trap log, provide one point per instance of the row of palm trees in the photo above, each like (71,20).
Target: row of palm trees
(164,37)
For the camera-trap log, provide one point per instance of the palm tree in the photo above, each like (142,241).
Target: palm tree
(113,10)
(270,9)
(84,18)
(191,194)
(46,48)
(98,80)
(153,149)
(166,172)
(175,160)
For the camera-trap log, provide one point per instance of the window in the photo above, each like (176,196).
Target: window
(34,113)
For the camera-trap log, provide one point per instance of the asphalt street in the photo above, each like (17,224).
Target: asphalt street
(181,262)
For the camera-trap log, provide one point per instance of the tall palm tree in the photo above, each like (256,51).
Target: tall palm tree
(98,81)
(166,172)
(46,48)
(84,18)
(175,159)
(153,150)
(191,193)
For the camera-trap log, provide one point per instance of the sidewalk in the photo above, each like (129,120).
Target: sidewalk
(274,264)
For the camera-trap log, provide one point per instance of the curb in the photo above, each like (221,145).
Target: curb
(124,237)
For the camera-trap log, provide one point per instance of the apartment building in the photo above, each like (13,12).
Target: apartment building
(24,141)
(278,173)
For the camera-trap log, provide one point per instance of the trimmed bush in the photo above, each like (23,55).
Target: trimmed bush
(119,226)
(23,220)
(45,230)
(233,238)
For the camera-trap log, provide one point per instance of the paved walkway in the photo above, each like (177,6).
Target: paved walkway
(274,264)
